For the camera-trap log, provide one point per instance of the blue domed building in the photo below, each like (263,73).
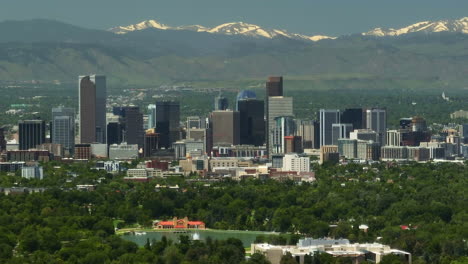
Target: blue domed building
(245,94)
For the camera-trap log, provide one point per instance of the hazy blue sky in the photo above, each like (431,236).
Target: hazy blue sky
(331,17)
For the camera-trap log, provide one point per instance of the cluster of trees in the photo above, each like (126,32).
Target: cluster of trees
(65,224)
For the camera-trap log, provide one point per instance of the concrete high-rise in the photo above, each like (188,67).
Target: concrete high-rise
(31,133)
(167,122)
(328,117)
(277,106)
(305,130)
(92,96)
(63,128)
(252,122)
(225,127)
(376,119)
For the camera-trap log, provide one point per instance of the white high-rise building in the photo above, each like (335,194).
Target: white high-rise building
(294,162)
(92,96)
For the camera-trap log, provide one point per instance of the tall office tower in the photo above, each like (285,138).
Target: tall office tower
(243,95)
(277,106)
(63,128)
(31,133)
(305,130)
(221,103)
(376,119)
(354,116)
(151,143)
(340,131)
(133,122)
(274,86)
(284,126)
(2,140)
(115,129)
(92,108)
(252,122)
(316,141)
(225,127)
(328,117)
(167,122)
(151,116)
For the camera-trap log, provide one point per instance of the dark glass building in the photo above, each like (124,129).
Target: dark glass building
(168,122)
(2,140)
(31,133)
(151,144)
(243,95)
(354,116)
(252,122)
(115,132)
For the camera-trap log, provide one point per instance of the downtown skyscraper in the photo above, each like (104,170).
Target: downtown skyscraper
(92,108)
(63,128)
(32,133)
(168,122)
(327,118)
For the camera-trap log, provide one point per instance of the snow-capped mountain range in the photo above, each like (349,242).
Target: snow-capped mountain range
(460,25)
(232,28)
(245,29)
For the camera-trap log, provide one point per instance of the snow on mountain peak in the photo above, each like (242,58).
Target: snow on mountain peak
(231,28)
(140,26)
(460,25)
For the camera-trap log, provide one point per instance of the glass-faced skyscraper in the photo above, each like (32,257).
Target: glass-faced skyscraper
(252,122)
(376,119)
(92,108)
(63,128)
(277,106)
(31,133)
(168,122)
(328,117)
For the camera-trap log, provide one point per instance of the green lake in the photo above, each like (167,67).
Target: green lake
(247,237)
